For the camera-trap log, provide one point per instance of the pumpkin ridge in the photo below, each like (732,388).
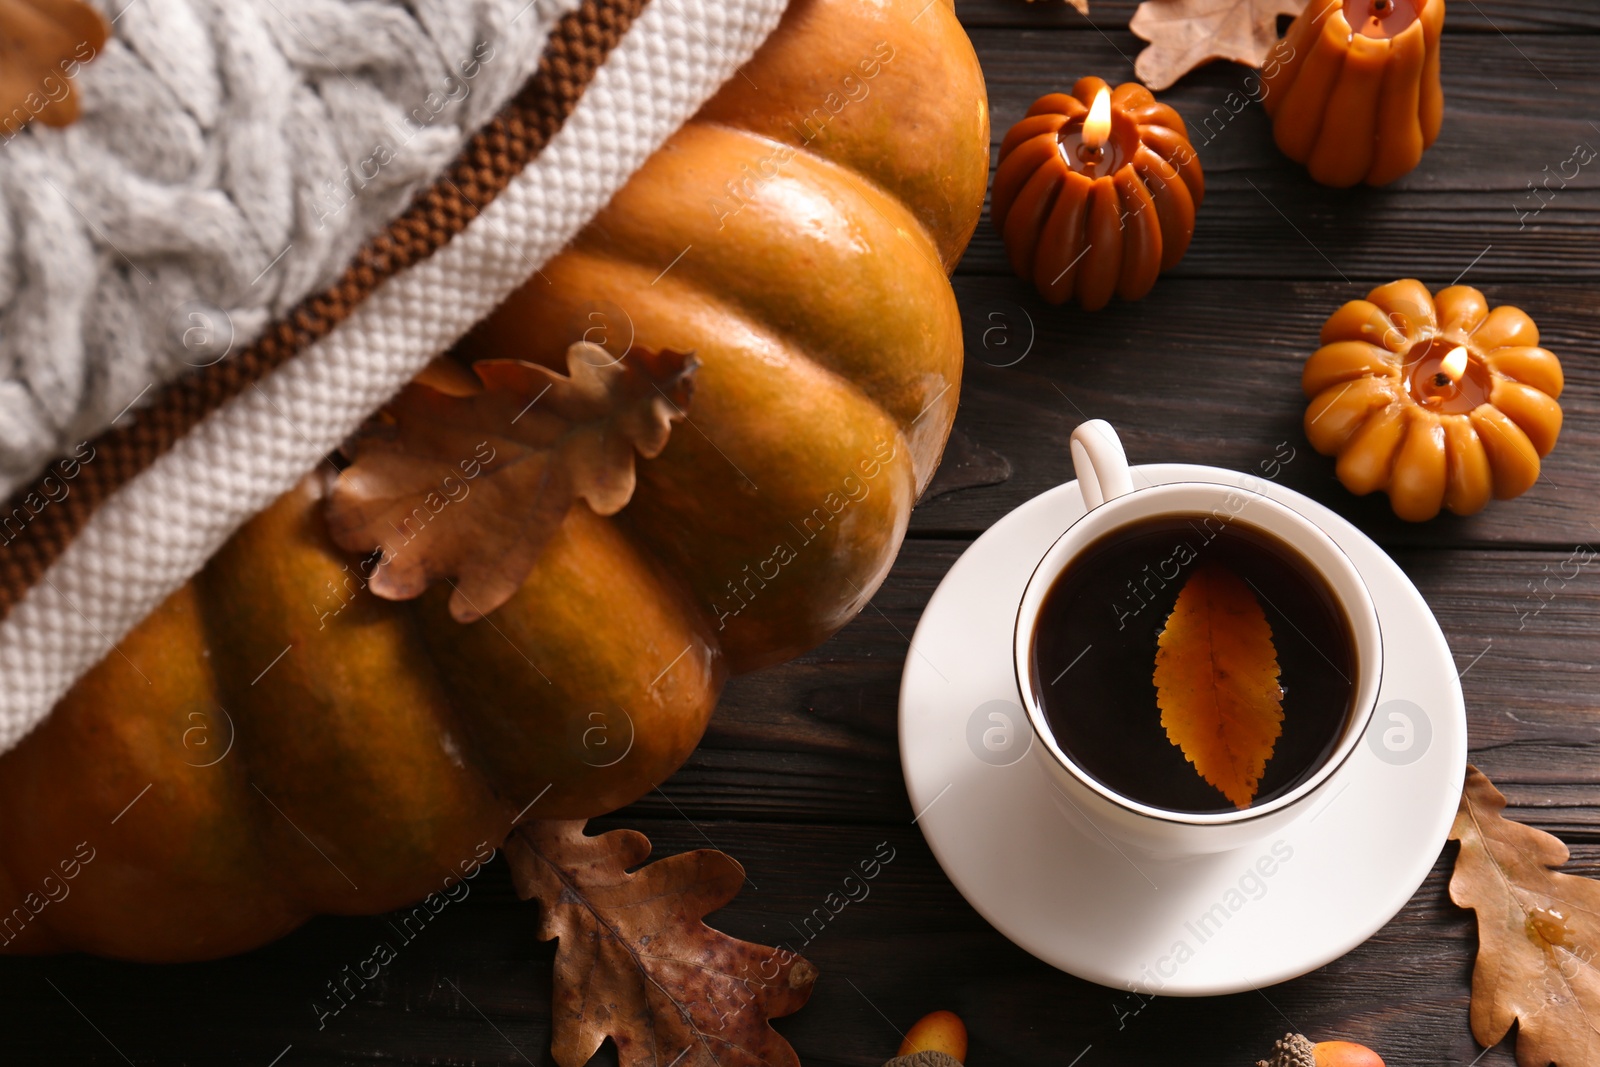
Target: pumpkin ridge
(400,804)
(809,440)
(254,814)
(868,108)
(221,643)
(850,177)
(805,320)
(593,603)
(794,348)
(452,717)
(667,511)
(259,872)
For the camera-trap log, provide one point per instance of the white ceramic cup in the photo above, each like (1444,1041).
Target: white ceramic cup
(1113,502)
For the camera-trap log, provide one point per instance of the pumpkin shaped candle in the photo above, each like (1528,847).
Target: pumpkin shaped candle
(1096,193)
(1437,400)
(1353,88)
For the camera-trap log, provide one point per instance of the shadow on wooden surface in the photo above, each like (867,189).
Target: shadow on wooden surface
(799,775)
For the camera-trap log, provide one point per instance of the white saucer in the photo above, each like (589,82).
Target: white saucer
(1193,927)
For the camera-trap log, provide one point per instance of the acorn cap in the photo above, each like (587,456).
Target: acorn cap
(924,1059)
(1291,1050)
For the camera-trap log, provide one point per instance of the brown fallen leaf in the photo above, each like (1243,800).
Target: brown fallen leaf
(636,964)
(1183,34)
(42,44)
(1216,682)
(466,477)
(1538,934)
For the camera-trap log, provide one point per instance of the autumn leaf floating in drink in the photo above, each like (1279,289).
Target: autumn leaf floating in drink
(1216,682)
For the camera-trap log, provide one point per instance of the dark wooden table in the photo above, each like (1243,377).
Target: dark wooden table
(799,776)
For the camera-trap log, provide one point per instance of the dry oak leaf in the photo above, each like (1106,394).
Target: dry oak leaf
(467,475)
(1216,682)
(1184,34)
(1538,934)
(636,963)
(42,44)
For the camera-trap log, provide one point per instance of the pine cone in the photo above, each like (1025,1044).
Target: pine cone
(1291,1050)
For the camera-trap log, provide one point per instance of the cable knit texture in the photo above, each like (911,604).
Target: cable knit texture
(156,531)
(231,157)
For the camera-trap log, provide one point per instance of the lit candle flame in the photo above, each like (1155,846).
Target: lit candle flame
(1455,364)
(1097,127)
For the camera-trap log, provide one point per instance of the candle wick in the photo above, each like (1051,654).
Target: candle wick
(1442,380)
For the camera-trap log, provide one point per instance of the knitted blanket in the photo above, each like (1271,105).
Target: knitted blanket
(270,216)
(231,158)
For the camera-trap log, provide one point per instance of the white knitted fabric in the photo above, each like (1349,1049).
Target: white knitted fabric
(154,533)
(231,158)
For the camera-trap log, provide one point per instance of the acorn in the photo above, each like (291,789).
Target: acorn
(1345,1054)
(939,1039)
(1297,1050)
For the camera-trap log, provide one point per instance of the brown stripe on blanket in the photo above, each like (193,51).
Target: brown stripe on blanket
(494,155)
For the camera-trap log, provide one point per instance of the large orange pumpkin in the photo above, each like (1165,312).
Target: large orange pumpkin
(252,758)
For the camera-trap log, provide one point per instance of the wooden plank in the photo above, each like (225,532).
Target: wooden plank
(799,774)
(1209,372)
(1488,16)
(1471,197)
(816,740)
(474,987)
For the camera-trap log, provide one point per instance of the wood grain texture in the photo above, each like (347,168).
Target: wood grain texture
(1264,218)
(1209,372)
(799,774)
(815,740)
(1465,16)
(473,987)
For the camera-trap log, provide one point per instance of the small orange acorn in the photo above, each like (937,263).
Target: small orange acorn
(1096,193)
(937,1038)
(1297,1050)
(1344,1054)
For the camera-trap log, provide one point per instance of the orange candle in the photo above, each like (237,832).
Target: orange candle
(1096,193)
(1437,400)
(1353,88)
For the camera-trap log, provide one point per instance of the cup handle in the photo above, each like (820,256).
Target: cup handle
(1100,463)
